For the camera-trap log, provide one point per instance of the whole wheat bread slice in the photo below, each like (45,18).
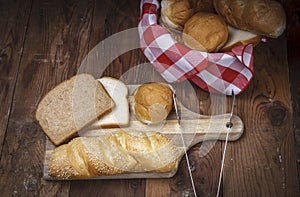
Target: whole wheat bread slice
(71,105)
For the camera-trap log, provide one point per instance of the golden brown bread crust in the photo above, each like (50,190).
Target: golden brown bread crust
(205,32)
(263,17)
(152,102)
(113,153)
(153,151)
(75,160)
(174,13)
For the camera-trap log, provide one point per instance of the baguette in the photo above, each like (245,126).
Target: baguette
(113,153)
(262,17)
(70,106)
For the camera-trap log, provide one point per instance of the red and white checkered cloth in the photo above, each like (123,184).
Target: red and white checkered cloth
(213,72)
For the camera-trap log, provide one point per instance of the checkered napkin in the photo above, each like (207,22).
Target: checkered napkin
(213,72)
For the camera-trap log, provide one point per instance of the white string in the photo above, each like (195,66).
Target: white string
(188,163)
(183,144)
(226,142)
(222,164)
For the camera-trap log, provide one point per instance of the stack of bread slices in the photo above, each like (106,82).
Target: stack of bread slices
(83,102)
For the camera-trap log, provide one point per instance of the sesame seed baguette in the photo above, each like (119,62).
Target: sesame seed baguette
(113,153)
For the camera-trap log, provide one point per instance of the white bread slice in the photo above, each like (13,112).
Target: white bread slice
(70,106)
(239,37)
(119,116)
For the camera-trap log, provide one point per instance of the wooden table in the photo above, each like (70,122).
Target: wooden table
(44,42)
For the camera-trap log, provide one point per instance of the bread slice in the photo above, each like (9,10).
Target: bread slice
(119,116)
(239,37)
(71,105)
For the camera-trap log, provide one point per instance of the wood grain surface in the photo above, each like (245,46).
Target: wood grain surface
(12,16)
(293,47)
(45,42)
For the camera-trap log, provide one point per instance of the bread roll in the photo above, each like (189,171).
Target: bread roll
(113,153)
(205,32)
(263,17)
(174,13)
(152,102)
(72,105)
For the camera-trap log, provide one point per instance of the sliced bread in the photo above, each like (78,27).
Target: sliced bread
(239,37)
(71,105)
(119,116)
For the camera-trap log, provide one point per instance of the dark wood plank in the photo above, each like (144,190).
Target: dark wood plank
(111,34)
(293,47)
(13,15)
(262,162)
(56,41)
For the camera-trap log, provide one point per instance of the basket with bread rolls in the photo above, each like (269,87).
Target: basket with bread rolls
(208,42)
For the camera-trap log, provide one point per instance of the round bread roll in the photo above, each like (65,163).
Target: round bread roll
(175,13)
(205,32)
(152,102)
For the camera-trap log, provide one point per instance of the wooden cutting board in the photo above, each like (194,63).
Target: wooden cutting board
(195,128)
